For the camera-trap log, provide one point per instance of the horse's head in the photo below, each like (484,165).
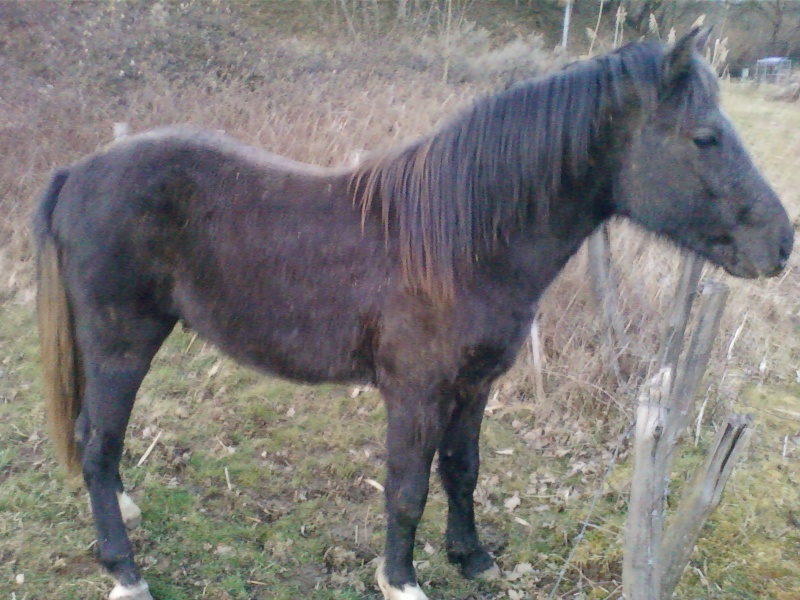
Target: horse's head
(685,174)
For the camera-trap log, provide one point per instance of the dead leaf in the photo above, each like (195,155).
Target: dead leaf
(519,571)
(374,484)
(512,502)
(522,521)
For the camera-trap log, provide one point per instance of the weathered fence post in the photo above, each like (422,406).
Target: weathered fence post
(701,497)
(653,559)
(678,317)
(690,373)
(606,293)
(641,571)
(537,360)
(604,287)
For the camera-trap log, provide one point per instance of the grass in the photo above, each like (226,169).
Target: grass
(257,488)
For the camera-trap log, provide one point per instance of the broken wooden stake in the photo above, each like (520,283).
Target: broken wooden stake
(701,497)
(537,359)
(654,559)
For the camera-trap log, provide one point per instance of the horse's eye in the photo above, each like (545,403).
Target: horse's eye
(705,139)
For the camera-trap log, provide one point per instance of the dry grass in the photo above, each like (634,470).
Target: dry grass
(290,464)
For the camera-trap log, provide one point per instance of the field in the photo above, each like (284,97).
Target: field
(255,488)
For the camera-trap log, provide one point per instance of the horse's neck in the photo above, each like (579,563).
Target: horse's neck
(537,254)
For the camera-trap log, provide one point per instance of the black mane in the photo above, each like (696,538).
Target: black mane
(452,195)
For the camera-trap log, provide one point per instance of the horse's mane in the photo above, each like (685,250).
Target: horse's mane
(451,196)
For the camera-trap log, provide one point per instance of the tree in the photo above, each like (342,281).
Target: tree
(783,19)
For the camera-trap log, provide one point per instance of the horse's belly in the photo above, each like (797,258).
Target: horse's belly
(306,345)
(302,356)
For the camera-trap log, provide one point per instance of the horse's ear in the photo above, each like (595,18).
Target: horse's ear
(679,58)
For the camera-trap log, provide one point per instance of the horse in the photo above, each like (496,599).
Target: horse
(417,271)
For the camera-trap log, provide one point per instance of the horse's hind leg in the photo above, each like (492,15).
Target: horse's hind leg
(131,514)
(458,469)
(116,354)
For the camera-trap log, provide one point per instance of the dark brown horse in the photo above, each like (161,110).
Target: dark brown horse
(417,271)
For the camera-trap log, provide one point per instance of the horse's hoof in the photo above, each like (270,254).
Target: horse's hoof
(489,574)
(131,514)
(137,591)
(408,592)
(476,565)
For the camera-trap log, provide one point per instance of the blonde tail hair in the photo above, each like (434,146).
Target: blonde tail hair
(62,369)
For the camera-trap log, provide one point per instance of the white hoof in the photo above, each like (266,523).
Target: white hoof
(409,592)
(138,591)
(490,574)
(131,515)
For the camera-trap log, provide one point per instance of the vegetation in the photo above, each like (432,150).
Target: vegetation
(255,488)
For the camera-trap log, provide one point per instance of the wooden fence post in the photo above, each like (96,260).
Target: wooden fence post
(537,360)
(604,287)
(678,317)
(690,373)
(701,497)
(641,571)
(654,560)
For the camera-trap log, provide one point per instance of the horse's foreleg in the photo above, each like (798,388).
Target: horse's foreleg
(458,468)
(414,432)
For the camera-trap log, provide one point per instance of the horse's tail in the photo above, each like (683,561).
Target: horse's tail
(61,362)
